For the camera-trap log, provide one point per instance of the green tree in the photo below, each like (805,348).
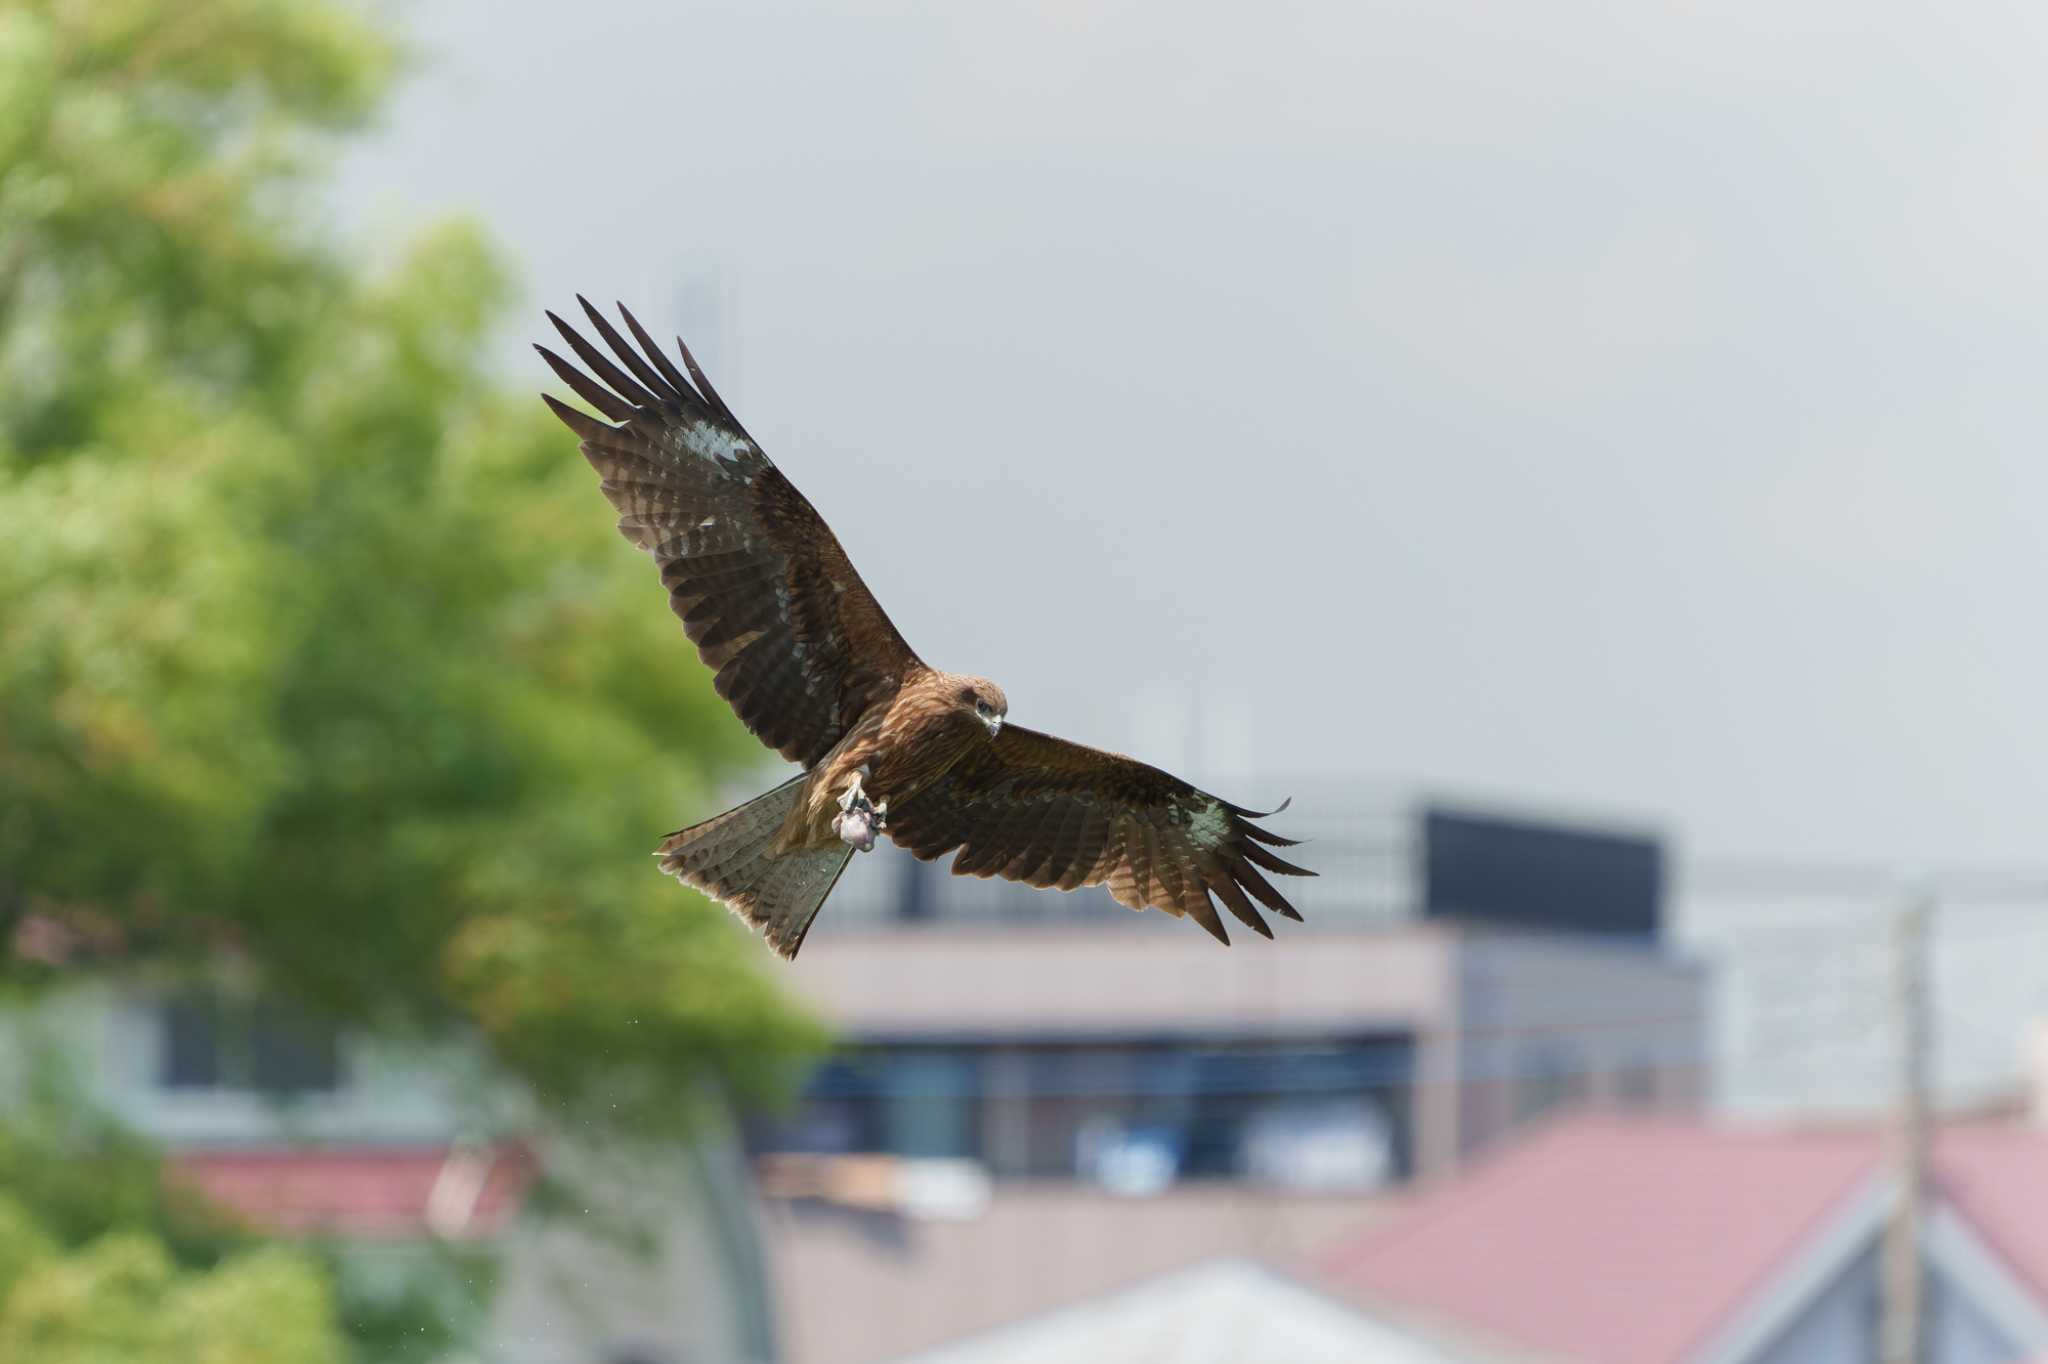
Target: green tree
(312,640)
(315,645)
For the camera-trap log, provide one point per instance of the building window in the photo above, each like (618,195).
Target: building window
(1135,1115)
(191,1035)
(211,1043)
(905,1100)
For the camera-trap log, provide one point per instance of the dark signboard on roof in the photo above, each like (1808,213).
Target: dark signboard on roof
(1501,869)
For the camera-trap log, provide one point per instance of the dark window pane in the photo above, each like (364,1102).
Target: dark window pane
(929,1102)
(287,1055)
(1130,1113)
(191,1044)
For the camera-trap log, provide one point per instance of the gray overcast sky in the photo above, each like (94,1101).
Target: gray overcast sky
(1638,406)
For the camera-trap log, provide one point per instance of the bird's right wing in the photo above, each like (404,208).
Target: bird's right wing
(1033,808)
(799,645)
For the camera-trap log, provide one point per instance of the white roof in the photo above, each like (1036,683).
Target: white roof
(1224,1311)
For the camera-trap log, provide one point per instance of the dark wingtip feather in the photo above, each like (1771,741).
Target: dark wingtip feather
(658,356)
(1252,919)
(604,369)
(1255,853)
(656,385)
(1220,884)
(585,426)
(1195,903)
(1262,890)
(587,389)
(704,386)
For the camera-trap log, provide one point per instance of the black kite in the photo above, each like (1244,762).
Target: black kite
(806,656)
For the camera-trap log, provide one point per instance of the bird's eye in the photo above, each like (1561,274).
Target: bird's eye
(983,708)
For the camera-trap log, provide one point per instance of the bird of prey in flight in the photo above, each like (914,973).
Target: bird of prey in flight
(888,744)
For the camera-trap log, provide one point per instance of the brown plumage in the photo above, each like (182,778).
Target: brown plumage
(811,664)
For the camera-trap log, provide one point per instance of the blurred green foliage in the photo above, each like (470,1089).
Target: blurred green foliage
(83,1202)
(122,1299)
(312,641)
(102,1260)
(317,647)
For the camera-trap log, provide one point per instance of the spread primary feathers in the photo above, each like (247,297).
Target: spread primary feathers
(809,661)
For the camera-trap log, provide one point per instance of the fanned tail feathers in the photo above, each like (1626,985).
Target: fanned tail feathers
(727,858)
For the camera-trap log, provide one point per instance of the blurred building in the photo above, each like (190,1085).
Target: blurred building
(303,1131)
(1224,1309)
(1458,973)
(1803,965)
(1045,1096)
(1606,1239)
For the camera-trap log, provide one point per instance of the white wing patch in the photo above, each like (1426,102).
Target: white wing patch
(709,441)
(1209,826)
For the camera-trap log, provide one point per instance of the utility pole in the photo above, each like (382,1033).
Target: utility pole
(1904,1284)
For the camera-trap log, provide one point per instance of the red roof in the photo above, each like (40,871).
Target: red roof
(1632,1240)
(1995,1175)
(365,1192)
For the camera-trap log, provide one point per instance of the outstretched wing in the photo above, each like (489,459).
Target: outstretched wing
(799,645)
(1029,807)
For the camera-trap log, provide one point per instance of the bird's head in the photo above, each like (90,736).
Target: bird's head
(985,701)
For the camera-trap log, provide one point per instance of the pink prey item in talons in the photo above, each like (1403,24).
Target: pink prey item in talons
(859,820)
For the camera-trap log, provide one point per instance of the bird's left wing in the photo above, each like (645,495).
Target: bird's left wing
(799,646)
(1033,808)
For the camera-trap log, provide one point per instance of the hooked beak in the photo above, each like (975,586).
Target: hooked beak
(995,725)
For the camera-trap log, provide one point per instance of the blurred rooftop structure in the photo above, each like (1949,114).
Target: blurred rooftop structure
(1099,1093)
(1459,970)
(1380,858)
(1609,1239)
(370,1193)
(1004,1042)
(1223,1311)
(1033,1247)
